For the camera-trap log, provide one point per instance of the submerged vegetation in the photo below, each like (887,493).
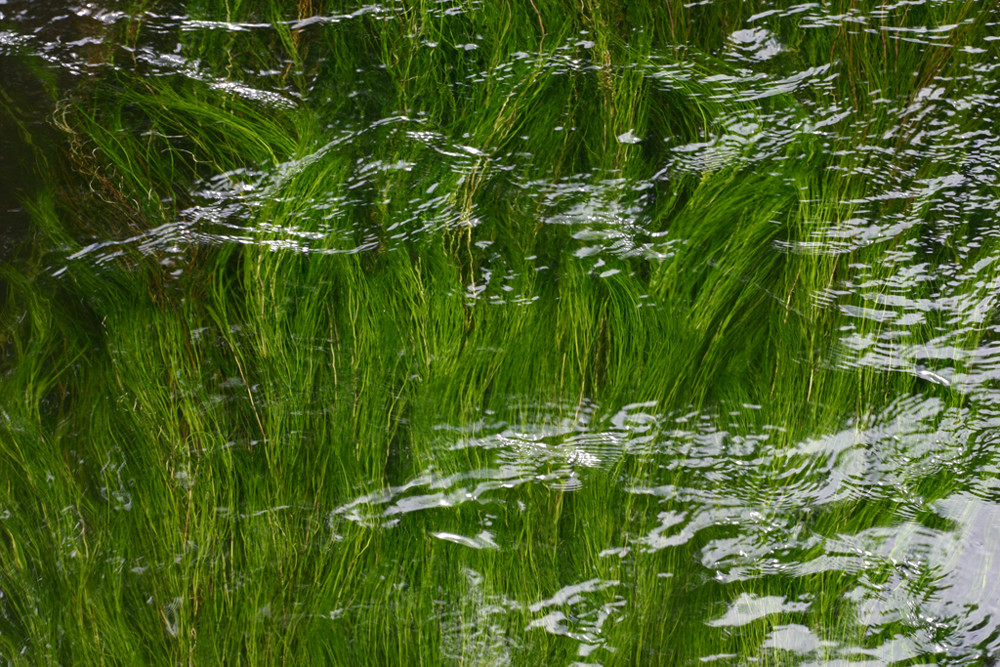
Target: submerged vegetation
(492,332)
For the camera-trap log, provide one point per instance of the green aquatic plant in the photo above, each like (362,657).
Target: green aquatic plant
(433,333)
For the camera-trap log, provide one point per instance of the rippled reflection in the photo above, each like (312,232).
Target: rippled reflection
(730,518)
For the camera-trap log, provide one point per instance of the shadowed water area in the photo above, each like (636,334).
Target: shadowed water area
(499,333)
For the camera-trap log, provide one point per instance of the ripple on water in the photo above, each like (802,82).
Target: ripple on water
(896,505)
(900,503)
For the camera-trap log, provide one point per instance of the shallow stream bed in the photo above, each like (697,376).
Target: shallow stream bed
(499,333)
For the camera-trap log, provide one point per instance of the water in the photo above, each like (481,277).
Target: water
(468,334)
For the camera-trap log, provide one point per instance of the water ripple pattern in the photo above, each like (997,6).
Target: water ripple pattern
(461,332)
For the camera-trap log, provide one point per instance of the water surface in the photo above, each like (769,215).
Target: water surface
(464,333)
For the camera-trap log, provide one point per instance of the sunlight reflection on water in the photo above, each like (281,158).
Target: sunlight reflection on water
(902,502)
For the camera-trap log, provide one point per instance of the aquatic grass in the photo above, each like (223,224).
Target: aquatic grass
(579,347)
(348,422)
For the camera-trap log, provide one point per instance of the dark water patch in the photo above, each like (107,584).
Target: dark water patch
(18,176)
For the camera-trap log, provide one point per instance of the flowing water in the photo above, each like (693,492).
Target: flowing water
(466,332)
